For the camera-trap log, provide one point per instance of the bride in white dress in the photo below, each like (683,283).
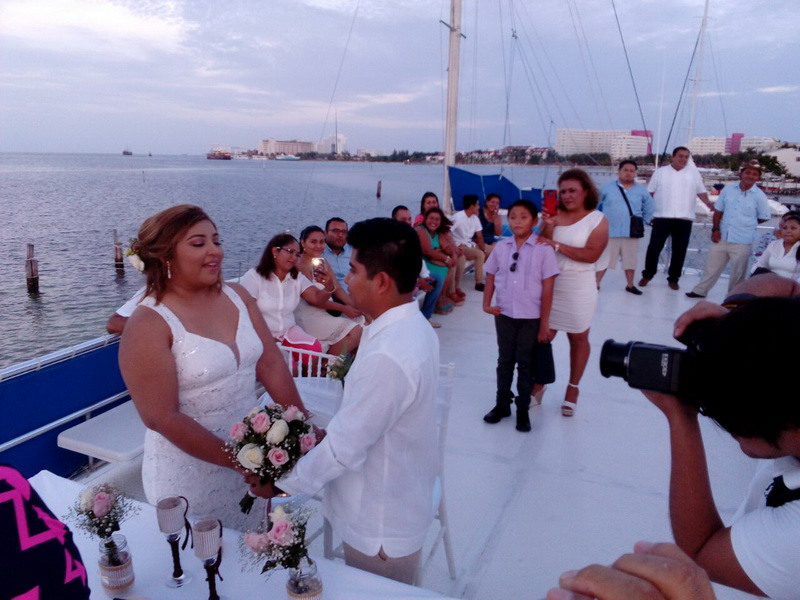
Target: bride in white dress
(190,359)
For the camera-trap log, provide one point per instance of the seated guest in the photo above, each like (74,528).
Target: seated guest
(378,463)
(277,287)
(466,228)
(337,251)
(336,334)
(491,222)
(116,322)
(427,282)
(782,256)
(38,556)
(439,258)
(429,200)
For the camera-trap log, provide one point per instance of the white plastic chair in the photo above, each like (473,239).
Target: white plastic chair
(444,398)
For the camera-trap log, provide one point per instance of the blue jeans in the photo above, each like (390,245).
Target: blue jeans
(429,303)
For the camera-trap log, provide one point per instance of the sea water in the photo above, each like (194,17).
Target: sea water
(68,205)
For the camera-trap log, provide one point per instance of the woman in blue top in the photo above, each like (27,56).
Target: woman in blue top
(491,221)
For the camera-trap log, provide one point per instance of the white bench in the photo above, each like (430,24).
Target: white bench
(116,435)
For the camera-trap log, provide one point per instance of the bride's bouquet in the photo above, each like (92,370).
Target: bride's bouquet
(269,442)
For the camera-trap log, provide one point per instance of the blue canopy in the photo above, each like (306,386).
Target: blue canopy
(464,182)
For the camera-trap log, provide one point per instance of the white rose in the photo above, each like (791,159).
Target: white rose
(87,500)
(250,457)
(254,411)
(278,513)
(137,262)
(278,432)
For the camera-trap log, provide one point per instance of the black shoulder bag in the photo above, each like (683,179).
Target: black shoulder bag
(637,223)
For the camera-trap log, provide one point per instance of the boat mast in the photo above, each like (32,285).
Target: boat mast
(697,73)
(454,54)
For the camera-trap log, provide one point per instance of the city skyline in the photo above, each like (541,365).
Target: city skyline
(174,77)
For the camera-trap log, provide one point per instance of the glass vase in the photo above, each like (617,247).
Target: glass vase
(116,563)
(304,583)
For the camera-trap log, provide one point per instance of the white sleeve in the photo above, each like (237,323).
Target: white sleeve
(250,281)
(304,282)
(369,409)
(126,310)
(765,542)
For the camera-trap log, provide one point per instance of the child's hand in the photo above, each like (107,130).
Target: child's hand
(492,310)
(544,333)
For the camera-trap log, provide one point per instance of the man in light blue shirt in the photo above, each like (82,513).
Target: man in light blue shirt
(337,251)
(737,212)
(613,205)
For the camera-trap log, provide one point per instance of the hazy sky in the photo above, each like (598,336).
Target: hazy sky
(177,76)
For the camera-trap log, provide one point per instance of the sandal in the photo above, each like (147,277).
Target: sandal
(568,408)
(456,300)
(445,309)
(537,397)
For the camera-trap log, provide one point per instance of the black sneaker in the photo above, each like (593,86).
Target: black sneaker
(479,287)
(523,420)
(633,290)
(693,295)
(500,411)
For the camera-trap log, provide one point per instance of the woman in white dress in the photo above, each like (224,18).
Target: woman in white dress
(579,235)
(336,334)
(190,355)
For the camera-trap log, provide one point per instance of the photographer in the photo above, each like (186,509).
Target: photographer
(740,387)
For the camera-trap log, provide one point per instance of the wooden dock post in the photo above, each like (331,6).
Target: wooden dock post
(119,256)
(32,272)
(378,193)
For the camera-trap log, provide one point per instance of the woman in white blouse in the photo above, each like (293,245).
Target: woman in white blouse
(782,256)
(277,286)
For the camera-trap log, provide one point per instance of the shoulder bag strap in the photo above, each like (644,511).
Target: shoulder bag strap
(625,197)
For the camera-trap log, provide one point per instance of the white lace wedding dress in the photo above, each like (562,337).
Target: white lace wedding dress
(216,388)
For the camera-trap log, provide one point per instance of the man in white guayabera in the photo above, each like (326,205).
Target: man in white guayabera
(379,459)
(674,189)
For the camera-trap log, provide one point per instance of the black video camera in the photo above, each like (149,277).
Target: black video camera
(659,368)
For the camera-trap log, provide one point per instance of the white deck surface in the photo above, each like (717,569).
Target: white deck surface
(526,507)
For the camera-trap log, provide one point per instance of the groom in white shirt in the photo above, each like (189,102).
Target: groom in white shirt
(378,461)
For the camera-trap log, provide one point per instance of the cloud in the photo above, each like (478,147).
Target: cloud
(84,26)
(779,89)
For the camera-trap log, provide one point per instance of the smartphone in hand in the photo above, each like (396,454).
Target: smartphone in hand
(318,267)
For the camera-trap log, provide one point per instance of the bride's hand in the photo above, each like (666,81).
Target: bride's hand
(266,490)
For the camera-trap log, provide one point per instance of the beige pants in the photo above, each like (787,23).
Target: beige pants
(403,569)
(475,254)
(718,256)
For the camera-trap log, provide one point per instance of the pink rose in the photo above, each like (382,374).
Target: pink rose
(278,456)
(260,423)
(282,532)
(307,442)
(102,504)
(238,431)
(292,414)
(257,542)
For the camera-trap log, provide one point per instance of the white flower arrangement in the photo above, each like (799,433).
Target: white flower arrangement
(281,540)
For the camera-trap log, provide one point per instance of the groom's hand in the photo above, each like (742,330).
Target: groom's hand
(266,490)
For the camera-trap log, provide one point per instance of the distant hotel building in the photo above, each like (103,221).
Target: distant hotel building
(334,144)
(273,146)
(732,145)
(620,143)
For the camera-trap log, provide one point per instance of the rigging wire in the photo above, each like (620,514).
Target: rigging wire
(333,95)
(583,61)
(594,68)
(556,101)
(630,70)
(683,90)
(719,87)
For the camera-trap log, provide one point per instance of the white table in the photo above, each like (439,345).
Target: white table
(152,561)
